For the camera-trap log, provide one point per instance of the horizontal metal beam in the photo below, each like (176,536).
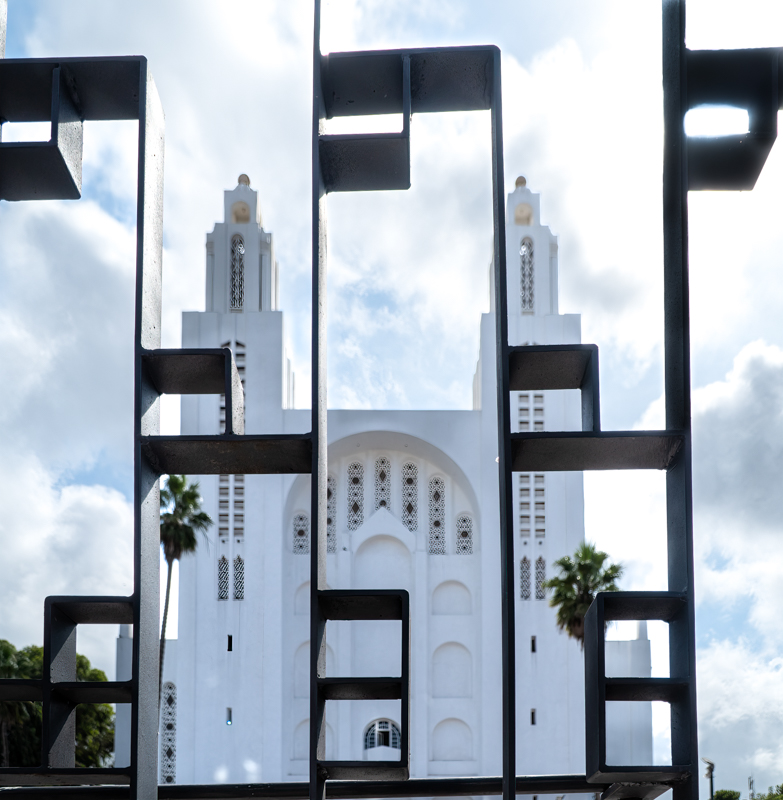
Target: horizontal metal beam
(335,790)
(577,451)
(274,454)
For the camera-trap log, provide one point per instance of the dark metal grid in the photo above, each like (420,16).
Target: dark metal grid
(69,91)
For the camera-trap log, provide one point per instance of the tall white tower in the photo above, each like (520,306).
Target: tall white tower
(413,504)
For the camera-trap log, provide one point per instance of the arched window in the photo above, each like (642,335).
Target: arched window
(355,496)
(410,496)
(526,275)
(464,535)
(540,578)
(437,543)
(524,578)
(301,534)
(331,515)
(382,484)
(168,734)
(237,273)
(239,578)
(223,578)
(382,733)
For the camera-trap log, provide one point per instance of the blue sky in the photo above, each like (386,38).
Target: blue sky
(407,284)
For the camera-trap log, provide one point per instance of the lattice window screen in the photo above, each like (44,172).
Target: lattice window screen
(382,484)
(437,509)
(524,578)
(331,515)
(410,496)
(237,273)
(168,734)
(301,530)
(526,275)
(223,578)
(239,578)
(464,535)
(540,578)
(355,496)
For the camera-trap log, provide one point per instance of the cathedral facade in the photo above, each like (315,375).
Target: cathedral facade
(412,504)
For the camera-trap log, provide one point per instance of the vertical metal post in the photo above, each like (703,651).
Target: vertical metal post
(146,559)
(682,655)
(504,444)
(3,25)
(318,476)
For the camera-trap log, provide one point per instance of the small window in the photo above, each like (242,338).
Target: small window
(524,578)
(532,716)
(540,578)
(239,578)
(223,578)
(382,733)
(437,509)
(532,644)
(229,717)
(355,496)
(382,484)
(301,534)
(410,496)
(237,274)
(526,276)
(230,645)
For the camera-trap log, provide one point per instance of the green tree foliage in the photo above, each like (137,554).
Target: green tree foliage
(20,721)
(726,794)
(575,588)
(179,522)
(773,793)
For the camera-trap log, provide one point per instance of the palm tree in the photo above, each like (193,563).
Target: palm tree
(580,579)
(178,525)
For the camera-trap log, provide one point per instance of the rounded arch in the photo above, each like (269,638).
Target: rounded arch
(302,600)
(382,562)
(452,671)
(411,447)
(302,668)
(452,740)
(452,598)
(302,741)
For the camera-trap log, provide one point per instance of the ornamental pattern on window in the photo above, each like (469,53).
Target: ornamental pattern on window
(237,272)
(524,578)
(168,734)
(239,578)
(526,290)
(540,578)
(301,534)
(223,578)
(464,535)
(331,515)
(410,496)
(437,543)
(355,496)
(382,733)
(382,484)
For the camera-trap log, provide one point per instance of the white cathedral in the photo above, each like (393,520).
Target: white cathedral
(413,504)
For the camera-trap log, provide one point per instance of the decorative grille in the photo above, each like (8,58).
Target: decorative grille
(301,534)
(464,535)
(239,578)
(410,496)
(540,578)
(524,578)
(526,294)
(331,515)
(168,734)
(223,578)
(524,505)
(382,484)
(237,273)
(437,543)
(382,733)
(355,496)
